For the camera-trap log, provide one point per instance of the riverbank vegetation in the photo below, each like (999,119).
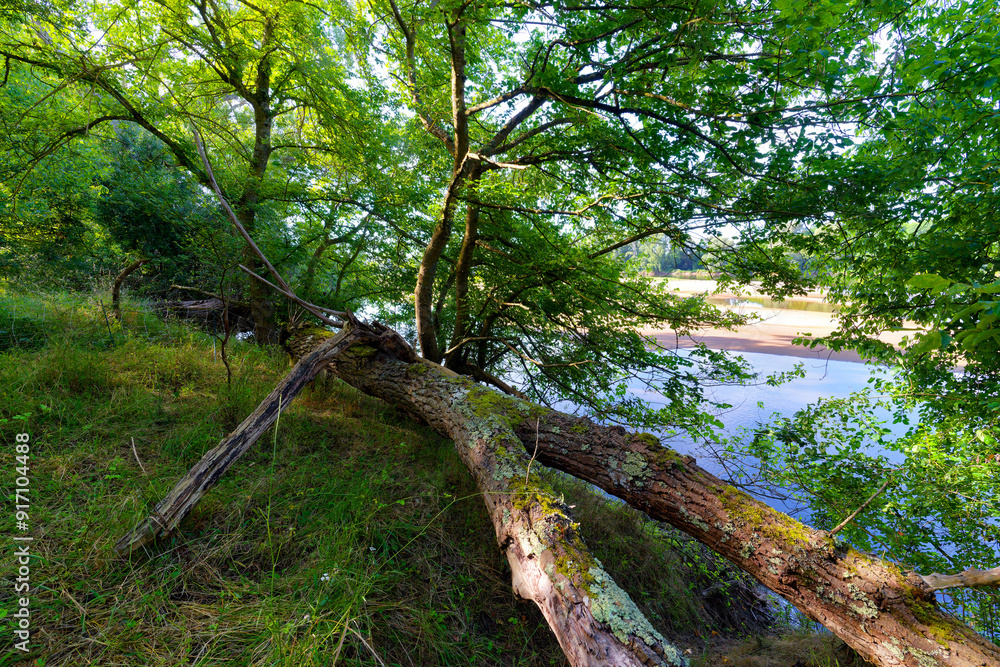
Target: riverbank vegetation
(350,533)
(495,182)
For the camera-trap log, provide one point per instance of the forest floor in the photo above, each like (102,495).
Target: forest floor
(349,535)
(776,328)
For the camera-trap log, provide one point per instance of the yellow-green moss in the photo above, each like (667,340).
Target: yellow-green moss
(487,404)
(772,524)
(649,439)
(667,458)
(536,491)
(941,627)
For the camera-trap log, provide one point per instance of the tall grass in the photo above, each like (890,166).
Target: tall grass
(349,535)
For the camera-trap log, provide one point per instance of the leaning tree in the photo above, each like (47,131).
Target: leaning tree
(537,141)
(885,611)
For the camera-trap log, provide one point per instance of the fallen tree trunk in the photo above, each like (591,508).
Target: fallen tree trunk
(886,614)
(971,577)
(596,622)
(209,313)
(169,512)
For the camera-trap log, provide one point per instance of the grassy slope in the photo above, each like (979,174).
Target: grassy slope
(348,533)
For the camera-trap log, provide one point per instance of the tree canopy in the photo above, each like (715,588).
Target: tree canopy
(476,173)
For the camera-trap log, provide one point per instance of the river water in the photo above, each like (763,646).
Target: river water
(761,404)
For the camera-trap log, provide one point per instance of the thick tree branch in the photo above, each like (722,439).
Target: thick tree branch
(882,611)
(170,511)
(410,39)
(116,289)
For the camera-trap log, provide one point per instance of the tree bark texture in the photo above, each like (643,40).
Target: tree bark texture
(595,621)
(885,613)
(170,511)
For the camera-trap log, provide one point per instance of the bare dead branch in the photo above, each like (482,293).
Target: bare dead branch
(969,578)
(315,310)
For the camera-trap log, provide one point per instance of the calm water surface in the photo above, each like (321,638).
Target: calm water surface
(757,405)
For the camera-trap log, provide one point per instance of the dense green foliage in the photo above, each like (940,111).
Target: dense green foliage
(910,241)
(476,174)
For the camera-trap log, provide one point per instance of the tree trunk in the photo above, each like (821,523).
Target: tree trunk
(116,289)
(595,622)
(261,308)
(886,614)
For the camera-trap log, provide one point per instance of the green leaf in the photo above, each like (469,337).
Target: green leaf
(929,281)
(929,341)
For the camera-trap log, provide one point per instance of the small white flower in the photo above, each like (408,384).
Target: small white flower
(325,577)
(371,548)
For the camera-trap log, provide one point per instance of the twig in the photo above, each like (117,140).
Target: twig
(137,458)
(527,472)
(285,288)
(64,593)
(864,505)
(226,328)
(315,310)
(340,644)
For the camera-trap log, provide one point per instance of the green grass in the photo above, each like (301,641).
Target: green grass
(348,535)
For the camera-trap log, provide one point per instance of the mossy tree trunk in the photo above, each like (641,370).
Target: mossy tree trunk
(886,614)
(595,621)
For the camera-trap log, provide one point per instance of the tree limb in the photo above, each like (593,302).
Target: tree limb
(886,614)
(186,494)
(969,578)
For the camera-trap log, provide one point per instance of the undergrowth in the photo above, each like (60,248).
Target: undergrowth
(348,535)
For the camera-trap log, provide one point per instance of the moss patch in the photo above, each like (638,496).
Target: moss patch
(745,510)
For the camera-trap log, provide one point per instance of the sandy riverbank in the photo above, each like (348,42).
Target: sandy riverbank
(773,334)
